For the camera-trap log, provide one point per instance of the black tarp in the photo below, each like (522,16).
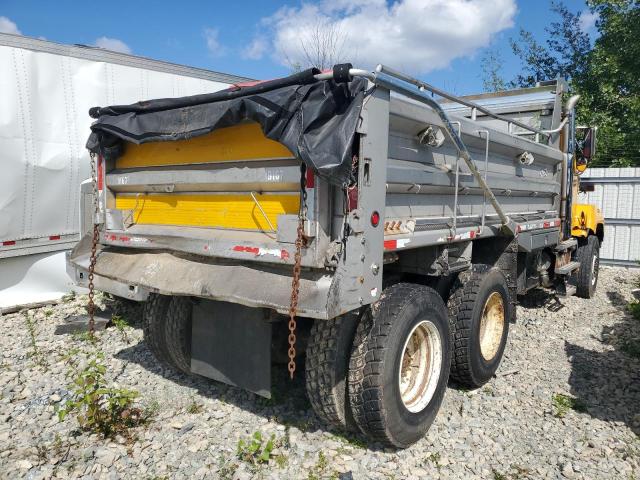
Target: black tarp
(315,120)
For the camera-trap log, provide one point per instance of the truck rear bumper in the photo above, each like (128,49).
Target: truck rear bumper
(132,273)
(78,270)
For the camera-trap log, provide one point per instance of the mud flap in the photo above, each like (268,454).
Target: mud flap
(231,343)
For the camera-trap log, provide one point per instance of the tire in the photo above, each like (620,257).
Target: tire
(375,392)
(588,254)
(178,333)
(326,367)
(154,316)
(477,353)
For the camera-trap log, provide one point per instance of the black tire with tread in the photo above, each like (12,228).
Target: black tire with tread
(467,299)
(584,254)
(154,316)
(377,351)
(326,370)
(178,333)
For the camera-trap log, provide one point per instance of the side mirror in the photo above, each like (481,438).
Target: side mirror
(585,147)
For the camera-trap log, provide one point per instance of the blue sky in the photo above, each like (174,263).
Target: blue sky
(441,41)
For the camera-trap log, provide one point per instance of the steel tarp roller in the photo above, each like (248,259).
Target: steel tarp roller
(315,119)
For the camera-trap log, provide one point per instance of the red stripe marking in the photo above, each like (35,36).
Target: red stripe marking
(54,237)
(390,244)
(8,243)
(284,255)
(99,173)
(242,248)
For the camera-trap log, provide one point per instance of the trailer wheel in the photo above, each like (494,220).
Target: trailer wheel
(154,317)
(399,365)
(588,254)
(479,312)
(178,333)
(327,362)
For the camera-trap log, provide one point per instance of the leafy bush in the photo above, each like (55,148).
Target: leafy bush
(98,407)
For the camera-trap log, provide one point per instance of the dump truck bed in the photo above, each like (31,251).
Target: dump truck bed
(214,214)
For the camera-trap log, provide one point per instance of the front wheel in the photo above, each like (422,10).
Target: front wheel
(399,365)
(588,254)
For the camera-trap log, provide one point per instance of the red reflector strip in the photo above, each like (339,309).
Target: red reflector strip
(54,237)
(390,244)
(310,179)
(99,173)
(8,243)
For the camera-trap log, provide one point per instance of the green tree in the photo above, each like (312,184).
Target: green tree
(562,54)
(492,79)
(606,75)
(611,84)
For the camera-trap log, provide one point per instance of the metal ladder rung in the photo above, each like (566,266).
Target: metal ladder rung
(567,268)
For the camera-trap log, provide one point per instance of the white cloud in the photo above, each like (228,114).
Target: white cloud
(588,20)
(413,35)
(7,26)
(256,49)
(112,44)
(213,44)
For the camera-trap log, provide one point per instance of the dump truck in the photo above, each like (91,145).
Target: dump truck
(362,226)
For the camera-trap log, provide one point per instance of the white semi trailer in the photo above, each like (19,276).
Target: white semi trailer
(45,91)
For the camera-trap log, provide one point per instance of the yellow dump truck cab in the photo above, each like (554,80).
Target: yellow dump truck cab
(587,220)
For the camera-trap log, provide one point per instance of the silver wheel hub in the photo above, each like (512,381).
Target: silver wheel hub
(420,366)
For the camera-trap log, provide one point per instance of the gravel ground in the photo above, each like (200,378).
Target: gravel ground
(509,429)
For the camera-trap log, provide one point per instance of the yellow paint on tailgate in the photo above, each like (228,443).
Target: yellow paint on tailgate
(240,142)
(236,211)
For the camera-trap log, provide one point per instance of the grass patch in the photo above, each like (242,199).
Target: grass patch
(255,450)
(634,309)
(319,470)
(563,403)
(631,348)
(195,407)
(35,354)
(350,440)
(121,325)
(497,475)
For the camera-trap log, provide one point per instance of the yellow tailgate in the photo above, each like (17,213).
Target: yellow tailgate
(237,211)
(238,143)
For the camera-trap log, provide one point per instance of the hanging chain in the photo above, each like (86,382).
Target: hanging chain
(91,306)
(295,283)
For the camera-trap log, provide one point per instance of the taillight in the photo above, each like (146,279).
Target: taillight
(375,219)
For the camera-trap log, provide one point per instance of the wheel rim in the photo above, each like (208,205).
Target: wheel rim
(491,326)
(420,366)
(594,270)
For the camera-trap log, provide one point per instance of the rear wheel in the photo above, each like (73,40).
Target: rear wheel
(588,254)
(399,364)
(154,316)
(178,333)
(327,362)
(479,311)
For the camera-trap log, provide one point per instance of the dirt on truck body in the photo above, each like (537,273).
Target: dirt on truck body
(350,216)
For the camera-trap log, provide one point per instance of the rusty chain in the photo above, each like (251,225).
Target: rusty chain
(295,282)
(91,306)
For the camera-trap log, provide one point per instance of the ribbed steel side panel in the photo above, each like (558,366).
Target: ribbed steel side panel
(617,192)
